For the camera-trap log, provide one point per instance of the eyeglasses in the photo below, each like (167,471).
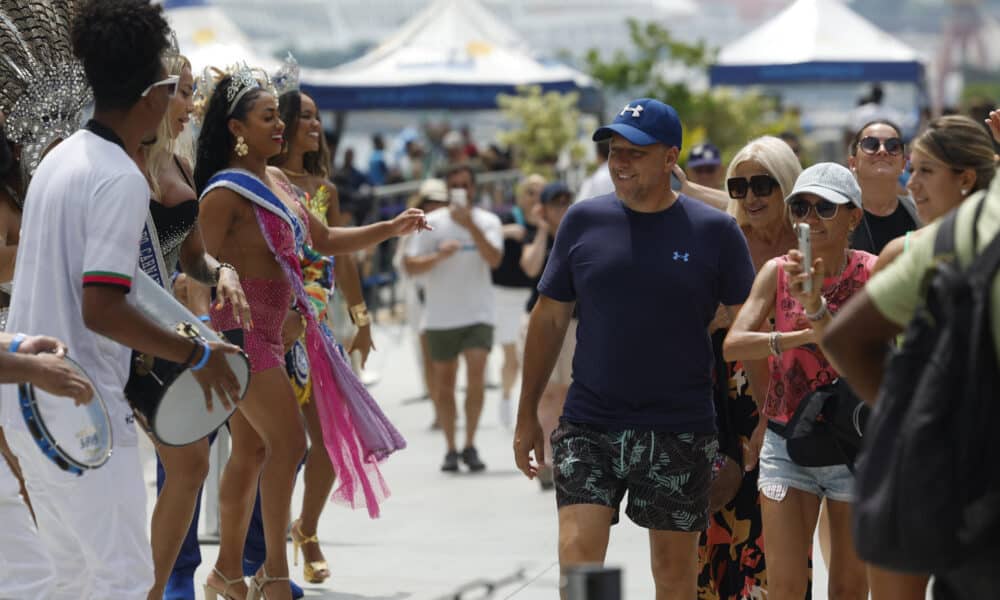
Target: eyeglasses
(761,185)
(170,83)
(870,145)
(800,207)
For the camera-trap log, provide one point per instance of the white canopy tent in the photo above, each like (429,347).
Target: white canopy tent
(208,38)
(816,41)
(453,54)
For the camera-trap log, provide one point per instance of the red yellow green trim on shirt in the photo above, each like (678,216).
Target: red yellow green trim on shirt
(107,278)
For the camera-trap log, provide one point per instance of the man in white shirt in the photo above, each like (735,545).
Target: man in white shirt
(599,182)
(456,259)
(79,251)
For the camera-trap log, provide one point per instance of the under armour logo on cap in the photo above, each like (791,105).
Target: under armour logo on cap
(636,110)
(685,257)
(645,122)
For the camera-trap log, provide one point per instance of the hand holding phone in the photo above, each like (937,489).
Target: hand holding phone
(805,248)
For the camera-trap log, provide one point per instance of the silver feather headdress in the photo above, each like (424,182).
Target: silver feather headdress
(43,88)
(244,78)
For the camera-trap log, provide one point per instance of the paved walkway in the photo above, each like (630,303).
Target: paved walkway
(441,534)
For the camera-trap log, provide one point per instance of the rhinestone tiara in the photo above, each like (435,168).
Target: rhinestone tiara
(243,79)
(287,77)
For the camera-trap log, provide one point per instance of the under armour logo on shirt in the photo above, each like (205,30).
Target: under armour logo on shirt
(636,110)
(678,256)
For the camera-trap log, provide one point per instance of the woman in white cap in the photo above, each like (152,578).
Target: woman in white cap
(827,198)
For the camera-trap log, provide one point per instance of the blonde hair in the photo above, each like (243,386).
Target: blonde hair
(777,158)
(522,186)
(960,143)
(160,152)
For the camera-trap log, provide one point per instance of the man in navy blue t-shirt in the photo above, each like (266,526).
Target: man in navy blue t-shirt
(646,270)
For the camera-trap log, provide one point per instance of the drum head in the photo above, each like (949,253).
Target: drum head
(81,434)
(183,418)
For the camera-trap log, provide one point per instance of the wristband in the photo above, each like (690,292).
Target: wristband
(206,352)
(205,318)
(16,342)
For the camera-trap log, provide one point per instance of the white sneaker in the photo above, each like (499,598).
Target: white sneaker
(506,413)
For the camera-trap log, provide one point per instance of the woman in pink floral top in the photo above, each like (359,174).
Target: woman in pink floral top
(827,197)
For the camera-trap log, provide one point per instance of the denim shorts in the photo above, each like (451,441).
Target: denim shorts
(778,473)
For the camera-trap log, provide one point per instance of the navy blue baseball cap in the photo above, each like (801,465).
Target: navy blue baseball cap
(553,190)
(644,122)
(704,155)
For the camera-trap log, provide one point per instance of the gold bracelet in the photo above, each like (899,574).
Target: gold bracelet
(359,315)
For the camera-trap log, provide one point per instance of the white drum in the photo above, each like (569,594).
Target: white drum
(166,394)
(76,438)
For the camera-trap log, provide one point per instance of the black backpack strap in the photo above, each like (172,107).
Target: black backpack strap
(988,261)
(944,241)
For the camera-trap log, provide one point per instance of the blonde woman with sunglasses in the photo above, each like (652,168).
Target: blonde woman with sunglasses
(827,198)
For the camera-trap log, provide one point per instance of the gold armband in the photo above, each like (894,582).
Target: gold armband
(359,315)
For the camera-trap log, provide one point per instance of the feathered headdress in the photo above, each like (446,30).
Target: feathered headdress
(43,88)
(244,79)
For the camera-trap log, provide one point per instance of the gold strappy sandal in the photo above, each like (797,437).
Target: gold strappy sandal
(316,571)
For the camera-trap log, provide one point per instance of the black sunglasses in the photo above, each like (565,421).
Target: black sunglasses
(871,145)
(761,185)
(800,207)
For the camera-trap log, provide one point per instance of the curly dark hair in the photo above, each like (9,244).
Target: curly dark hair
(121,44)
(215,141)
(314,163)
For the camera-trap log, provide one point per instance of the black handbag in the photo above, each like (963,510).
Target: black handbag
(827,427)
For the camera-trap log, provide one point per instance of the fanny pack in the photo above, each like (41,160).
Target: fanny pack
(826,428)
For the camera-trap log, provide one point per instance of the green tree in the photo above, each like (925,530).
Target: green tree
(545,126)
(728,120)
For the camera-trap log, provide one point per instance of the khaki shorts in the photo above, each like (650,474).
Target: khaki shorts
(446,344)
(562,374)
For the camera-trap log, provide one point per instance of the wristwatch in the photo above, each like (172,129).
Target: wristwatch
(359,315)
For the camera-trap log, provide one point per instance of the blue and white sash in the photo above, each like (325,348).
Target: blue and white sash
(249,186)
(151,255)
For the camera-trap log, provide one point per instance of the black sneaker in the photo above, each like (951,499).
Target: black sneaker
(471,459)
(450,462)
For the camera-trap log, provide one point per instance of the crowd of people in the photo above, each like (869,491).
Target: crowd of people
(688,350)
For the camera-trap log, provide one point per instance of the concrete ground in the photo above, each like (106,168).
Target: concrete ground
(449,536)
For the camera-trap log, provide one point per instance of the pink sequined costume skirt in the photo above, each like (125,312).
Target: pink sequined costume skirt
(269,300)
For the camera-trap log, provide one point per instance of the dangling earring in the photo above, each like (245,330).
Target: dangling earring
(241,146)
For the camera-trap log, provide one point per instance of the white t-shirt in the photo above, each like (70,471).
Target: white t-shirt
(459,289)
(597,184)
(83,216)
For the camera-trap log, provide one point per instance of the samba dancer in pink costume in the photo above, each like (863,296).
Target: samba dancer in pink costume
(250,219)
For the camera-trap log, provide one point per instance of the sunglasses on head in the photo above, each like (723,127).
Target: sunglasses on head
(170,83)
(761,185)
(800,207)
(870,145)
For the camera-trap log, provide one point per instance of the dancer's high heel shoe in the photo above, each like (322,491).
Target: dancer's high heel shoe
(316,571)
(259,582)
(213,594)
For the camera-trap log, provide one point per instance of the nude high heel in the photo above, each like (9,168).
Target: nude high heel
(213,594)
(259,582)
